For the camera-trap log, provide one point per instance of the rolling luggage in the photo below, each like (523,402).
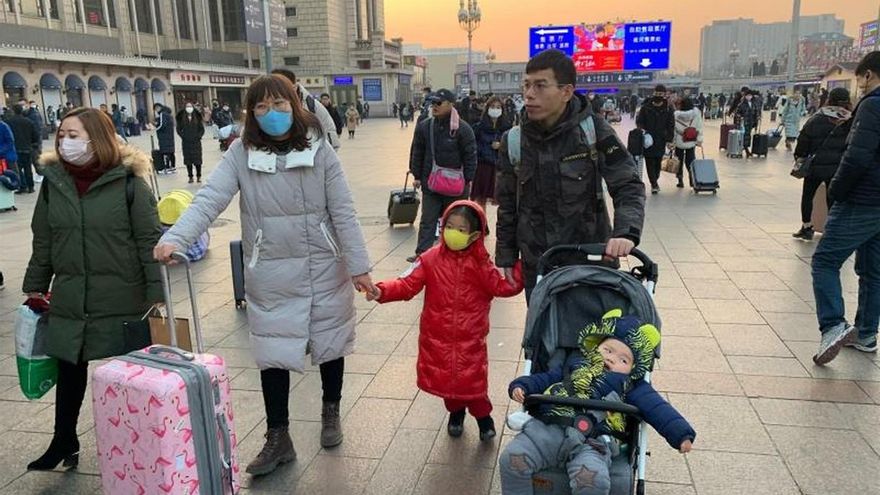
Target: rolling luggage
(774,136)
(735,143)
(725,133)
(236,254)
(403,205)
(704,175)
(760,143)
(163,417)
(7,200)
(158,157)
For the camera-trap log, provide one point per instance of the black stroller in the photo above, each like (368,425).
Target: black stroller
(565,299)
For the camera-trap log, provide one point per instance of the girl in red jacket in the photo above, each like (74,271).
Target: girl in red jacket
(460,282)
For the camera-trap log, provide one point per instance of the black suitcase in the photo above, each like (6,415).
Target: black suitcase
(760,144)
(403,205)
(158,157)
(704,174)
(236,255)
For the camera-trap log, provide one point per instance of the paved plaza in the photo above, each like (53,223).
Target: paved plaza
(739,330)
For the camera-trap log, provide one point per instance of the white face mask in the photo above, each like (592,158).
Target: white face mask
(495,112)
(189,109)
(76,151)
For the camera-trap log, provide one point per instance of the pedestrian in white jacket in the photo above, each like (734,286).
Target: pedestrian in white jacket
(304,254)
(688,135)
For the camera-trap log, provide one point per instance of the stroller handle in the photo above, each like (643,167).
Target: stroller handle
(536,400)
(595,255)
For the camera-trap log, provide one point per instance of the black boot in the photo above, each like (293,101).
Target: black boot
(456,423)
(61,449)
(69,393)
(487,428)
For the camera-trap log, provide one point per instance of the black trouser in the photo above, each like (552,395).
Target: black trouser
(69,393)
(170,160)
(189,169)
(653,166)
(25,171)
(811,185)
(433,206)
(685,158)
(276,390)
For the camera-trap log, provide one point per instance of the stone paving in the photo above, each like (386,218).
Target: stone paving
(739,330)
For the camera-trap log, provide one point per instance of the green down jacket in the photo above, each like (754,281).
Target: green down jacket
(96,253)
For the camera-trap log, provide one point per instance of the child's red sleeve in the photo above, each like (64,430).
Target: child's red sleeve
(404,288)
(498,286)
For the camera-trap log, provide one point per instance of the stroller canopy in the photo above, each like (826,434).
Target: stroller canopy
(569,298)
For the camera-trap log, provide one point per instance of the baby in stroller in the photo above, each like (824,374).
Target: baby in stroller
(614,356)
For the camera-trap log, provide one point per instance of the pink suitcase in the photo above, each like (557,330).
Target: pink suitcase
(163,418)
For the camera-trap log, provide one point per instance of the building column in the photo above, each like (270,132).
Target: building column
(106,13)
(153,16)
(192,23)
(82,16)
(176,22)
(46,8)
(358,18)
(16,12)
(370,13)
(137,31)
(221,25)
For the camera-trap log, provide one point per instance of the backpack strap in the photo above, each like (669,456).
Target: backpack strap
(310,102)
(588,126)
(514,153)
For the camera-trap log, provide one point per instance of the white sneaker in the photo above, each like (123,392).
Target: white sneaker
(832,341)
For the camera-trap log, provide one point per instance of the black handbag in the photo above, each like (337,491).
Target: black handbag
(803,166)
(136,334)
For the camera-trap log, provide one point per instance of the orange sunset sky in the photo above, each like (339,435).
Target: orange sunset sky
(433,23)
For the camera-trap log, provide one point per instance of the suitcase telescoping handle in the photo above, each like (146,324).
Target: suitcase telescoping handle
(406,180)
(169,304)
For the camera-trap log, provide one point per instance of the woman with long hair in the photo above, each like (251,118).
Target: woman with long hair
(94,228)
(304,253)
(492,126)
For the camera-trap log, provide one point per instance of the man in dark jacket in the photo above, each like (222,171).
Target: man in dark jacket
(453,146)
(554,195)
(165,136)
(749,113)
(853,226)
(334,112)
(657,119)
(27,141)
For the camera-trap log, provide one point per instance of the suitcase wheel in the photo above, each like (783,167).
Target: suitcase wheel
(239,304)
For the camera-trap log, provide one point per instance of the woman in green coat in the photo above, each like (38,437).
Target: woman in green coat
(94,228)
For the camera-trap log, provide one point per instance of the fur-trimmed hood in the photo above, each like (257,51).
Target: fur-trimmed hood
(134,159)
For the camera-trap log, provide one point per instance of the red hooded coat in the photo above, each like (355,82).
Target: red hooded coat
(453,361)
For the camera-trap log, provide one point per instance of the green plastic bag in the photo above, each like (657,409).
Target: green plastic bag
(37,372)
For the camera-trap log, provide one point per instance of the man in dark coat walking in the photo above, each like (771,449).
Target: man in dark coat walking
(452,145)
(165,135)
(190,128)
(27,141)
(657,119)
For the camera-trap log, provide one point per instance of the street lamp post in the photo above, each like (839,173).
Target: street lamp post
(793,45)
(734,55)
(490,57)
(753,58)
(469,20)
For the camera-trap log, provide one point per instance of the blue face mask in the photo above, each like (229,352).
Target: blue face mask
(275,123)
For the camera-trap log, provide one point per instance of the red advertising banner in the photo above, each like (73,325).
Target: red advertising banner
(599,47)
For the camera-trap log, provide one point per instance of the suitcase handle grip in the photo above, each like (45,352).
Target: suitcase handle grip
(169,305)
(164,349)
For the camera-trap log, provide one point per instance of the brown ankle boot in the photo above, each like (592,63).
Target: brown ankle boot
(277,451)
(331,429)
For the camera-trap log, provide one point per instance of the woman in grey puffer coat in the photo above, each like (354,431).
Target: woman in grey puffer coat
(304,253)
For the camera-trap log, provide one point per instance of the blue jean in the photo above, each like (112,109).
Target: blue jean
(850,228)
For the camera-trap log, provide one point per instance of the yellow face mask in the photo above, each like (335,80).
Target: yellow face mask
(457,240)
